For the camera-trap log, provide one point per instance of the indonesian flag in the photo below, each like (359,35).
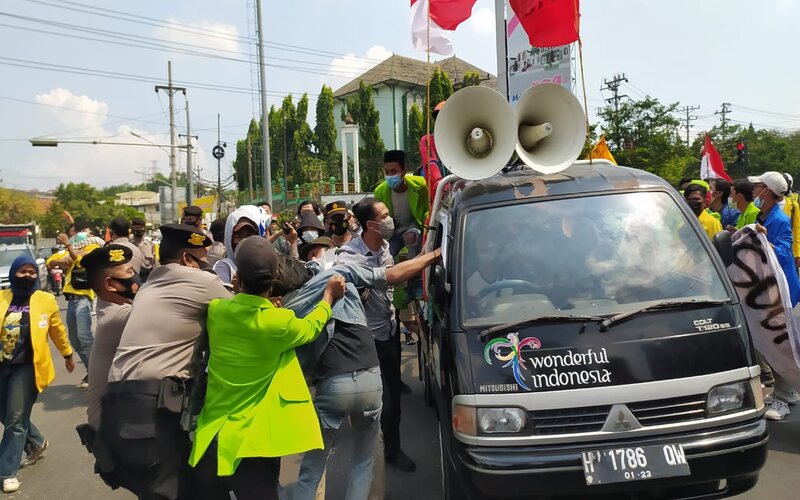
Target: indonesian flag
(446,15)
(711,166)
(548,23)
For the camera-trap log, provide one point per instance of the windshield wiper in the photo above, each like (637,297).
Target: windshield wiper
(659,305)
(553,317)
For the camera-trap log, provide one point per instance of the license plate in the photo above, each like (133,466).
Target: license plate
(619,465)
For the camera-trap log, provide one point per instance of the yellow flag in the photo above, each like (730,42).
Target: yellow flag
(600,151)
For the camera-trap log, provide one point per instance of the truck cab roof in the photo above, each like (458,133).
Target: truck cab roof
(525,183)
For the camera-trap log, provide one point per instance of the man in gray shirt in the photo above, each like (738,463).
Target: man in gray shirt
(141,413)
(120,230)
(371,249)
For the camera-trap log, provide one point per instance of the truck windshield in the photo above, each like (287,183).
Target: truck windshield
(598,255)
(7,256)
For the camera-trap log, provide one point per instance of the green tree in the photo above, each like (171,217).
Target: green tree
(441,87)
(361,108)
(325,131)
(471,79)
(240,162)
(17,207)
(416,130)
(85,202)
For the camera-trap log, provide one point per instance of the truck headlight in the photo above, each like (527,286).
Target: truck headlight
(501,420)
(728,397)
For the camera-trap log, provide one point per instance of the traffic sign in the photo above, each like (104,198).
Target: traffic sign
(218,152)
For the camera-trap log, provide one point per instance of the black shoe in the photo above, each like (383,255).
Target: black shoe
(400,461)
(404,388)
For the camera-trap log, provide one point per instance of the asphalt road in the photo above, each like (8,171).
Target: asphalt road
(66,471)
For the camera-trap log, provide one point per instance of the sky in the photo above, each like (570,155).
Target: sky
(698,53)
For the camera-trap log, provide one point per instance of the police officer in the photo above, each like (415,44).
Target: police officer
(146,247)
(141,411)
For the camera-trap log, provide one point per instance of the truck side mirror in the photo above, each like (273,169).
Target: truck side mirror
(439,280)
(722,242)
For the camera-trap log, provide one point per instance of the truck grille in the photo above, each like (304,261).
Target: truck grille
(569,420)
(670,410)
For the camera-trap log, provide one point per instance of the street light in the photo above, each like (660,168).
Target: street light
(52,142)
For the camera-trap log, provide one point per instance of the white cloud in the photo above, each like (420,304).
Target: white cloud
(482,22)
(205,34)
(74,111)
(349,67)
(99,165)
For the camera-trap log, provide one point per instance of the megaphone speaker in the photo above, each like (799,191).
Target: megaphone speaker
(551,127)
(475,133)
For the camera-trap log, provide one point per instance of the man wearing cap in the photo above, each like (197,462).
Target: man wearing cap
(193,216)
(337,220)
(309,229)
(772,186)
(245,221)
(146,247)
(115,282)
(405,195)
(141,412)
(120,230)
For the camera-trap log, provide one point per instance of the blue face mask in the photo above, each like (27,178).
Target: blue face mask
(758,202)
(393,180)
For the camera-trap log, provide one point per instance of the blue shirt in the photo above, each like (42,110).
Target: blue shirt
(378,302)
(779,233)
(348,309)
(728,216)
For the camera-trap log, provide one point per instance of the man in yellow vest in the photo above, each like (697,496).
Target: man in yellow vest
(791,208)
(77,291)
(695,196)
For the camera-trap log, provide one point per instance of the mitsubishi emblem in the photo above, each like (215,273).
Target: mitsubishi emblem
(620,419)
(622,422)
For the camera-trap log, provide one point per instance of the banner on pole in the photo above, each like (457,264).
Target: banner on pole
(528,66)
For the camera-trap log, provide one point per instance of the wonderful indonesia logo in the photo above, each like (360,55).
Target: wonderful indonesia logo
(570,369)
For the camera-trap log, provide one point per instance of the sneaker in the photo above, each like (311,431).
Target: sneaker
(84,382)
(792,397)
(34,455)
(401,462)
(411,341)
(10,484)
(776,409)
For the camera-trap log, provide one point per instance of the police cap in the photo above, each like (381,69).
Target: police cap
(108,256)
(183,236)
(193,211)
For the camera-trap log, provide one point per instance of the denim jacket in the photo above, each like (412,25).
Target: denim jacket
(348,309)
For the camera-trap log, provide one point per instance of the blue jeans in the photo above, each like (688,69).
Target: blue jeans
(357,395)
(17,394)
(79,324)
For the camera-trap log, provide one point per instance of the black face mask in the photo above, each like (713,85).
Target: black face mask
(128,283)
(25,283)
(201,263)
(696,206)
(339,227)
(138,234)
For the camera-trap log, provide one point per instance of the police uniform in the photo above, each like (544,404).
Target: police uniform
(153,365)
(146,248)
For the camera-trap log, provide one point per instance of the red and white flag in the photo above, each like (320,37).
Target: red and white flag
(548,23)
(711,166)
(446,15)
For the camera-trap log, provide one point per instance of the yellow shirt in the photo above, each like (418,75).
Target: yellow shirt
(68,280)
(792,210)
(710,225)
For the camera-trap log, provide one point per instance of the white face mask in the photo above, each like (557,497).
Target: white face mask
(309,236)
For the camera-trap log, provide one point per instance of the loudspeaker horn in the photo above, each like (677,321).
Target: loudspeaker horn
(475,133)
(551,128)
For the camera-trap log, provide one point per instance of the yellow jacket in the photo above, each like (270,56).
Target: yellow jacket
(792,210)
(45,321)
(711,225)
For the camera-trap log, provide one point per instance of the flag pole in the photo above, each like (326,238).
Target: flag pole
(428,91)
(583,77)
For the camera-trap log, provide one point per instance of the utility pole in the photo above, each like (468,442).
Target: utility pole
(687,121)
(265,166)
(250,167)
(219,174)
(724,112)
(189,172)
(613,86)
(172,146)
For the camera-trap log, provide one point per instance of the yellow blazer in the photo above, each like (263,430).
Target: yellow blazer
(45,320)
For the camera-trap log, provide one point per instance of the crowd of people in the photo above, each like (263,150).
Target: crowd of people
(768,202)
(219,351)
(205,347)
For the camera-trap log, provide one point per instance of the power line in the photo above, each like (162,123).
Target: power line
(688,119)
(724,112)
(613,85)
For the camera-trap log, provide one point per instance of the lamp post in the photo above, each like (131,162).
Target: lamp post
(52,142)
